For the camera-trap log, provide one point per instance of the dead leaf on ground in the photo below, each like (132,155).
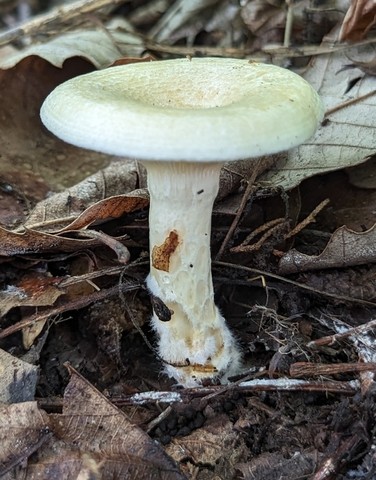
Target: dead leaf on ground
(94,434)
(346,137)
(32,241)
(345,248)
(359,19)
(33,290)
(100,46)
(23,430)
(217,444)
(118,179)
(18,381)
(274,465)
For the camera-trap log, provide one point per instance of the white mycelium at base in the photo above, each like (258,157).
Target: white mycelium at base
(181,200)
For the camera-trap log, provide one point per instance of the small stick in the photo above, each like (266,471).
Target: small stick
(309,219)
(121,250)
(348,103)
(263,273)
(352,332)
(269,227)
(289,23)
(307,369)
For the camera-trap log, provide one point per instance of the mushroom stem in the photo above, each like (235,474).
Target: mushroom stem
(196,343)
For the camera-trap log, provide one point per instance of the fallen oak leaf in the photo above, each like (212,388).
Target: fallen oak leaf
(345,248)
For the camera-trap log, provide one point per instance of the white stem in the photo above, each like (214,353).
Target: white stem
(196,342)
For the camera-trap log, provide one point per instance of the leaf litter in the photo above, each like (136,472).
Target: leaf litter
(63,234)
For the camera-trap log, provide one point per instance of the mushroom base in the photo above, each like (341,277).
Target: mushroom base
(195,342)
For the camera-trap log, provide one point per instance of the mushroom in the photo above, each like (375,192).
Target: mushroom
(183,119)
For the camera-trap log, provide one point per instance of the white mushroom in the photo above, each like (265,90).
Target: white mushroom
(183,119)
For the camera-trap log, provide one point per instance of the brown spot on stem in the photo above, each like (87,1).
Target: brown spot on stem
(161,254)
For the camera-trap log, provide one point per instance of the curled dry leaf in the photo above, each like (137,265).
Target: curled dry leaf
(32,241)
(275,465)
(359,19)
(216,442)
(59,210)
(345,248)
(177,15)
(55,212)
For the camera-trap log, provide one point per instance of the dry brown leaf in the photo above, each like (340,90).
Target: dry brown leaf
(108,209)
(91,425)
(33,290)
(265,21)
(18,380)
(275,465)
(101,47)
(359,19)
(32,241)
(23,430)
(216,442)
(25,145)
(56,211)
(345,248)
(346,137)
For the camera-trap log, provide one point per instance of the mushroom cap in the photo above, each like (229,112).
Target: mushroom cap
(203,109)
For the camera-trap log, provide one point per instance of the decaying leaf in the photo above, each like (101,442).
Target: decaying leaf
(345,248)
(217,443)
(33,290)
(23,430)
(92,426)
(108,209)
(32,241)
(59,210)
(18,380)
(359,19)
(346,137)
(100,46)
(274,465)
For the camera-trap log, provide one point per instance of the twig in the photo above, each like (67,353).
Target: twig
(307,369)
(351,332)
(261,385)
(156,421)
(121,250)
(348,103)
(289,23)
(239,213)
(309,219)
(271,227)
(256,271)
